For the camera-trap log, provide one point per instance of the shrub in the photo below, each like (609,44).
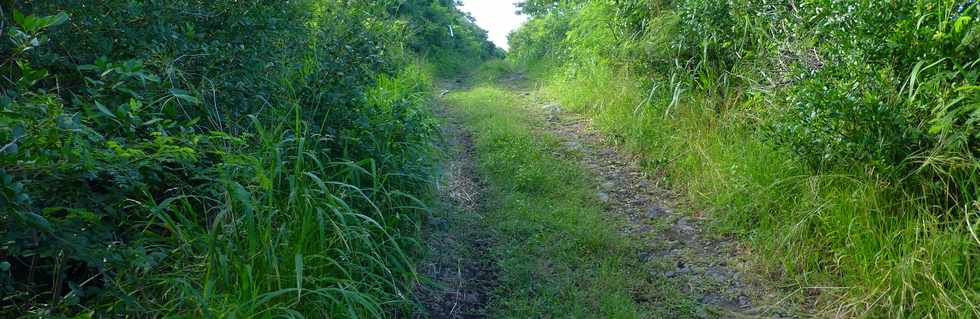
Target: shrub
(201,158)
(706,31)
(838,116)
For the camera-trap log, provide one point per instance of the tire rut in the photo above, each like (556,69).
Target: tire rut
(458,271)
(674,244)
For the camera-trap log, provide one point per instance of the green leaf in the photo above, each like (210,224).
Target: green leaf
(184,96)
(134,105)
(960,22)
(36,220)
(103,109)
(4,266)
(18,17)
(153,121)
(56,20)
(299,275)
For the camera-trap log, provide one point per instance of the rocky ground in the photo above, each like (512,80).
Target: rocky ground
(674,243)
(710,271)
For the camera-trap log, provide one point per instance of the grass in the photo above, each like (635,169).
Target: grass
(559,255)
(221,158)
(295,233)
(846,243)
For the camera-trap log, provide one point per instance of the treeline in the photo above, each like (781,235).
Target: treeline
(218,158)
(840,137)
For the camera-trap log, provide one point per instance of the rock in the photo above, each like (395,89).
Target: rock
(683,226)
(603,197)
(608,185)
(656,212)
(717,275)
(644,256)
(551,108)
(439,223)
(711,299)
(677,272)
(743,302)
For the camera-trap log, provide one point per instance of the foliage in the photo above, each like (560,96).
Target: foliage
(837,116)
(794,123)
(216,158)
(448,37)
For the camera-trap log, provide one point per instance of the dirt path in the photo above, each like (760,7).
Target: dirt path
(673,242)
(688,270)
(459,271)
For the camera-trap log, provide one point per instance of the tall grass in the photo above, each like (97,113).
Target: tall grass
(184,168)
(850,243)
(697,87)
(294,233)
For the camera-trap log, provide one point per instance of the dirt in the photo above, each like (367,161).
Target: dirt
(458,274)
(673,242)
(675,245)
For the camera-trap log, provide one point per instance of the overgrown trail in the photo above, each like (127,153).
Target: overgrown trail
(673,243)
(616,241)
(461,275)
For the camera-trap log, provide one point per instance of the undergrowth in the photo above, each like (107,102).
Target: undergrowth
(217,158)
(837,137)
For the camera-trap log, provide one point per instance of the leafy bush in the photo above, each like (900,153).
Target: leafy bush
(197,158)
(706,31)
(837,116)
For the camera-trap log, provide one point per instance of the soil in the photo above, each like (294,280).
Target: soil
(459,275)
(675,245)
(673,241)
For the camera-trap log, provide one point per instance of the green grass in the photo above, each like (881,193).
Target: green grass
(558,253)
(835,138)
(298,234)
(877,252)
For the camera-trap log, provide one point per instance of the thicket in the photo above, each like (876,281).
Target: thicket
(840,137)
(217,158)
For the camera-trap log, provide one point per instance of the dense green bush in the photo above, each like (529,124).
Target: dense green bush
(706,30)
(197,158)
(838,116)
(448,38)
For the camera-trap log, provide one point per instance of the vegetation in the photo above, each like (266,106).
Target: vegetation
(558,254)
(839,137)
(217,158)
(258,158)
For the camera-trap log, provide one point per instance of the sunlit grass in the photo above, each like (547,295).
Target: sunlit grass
(559,254)
(849,237)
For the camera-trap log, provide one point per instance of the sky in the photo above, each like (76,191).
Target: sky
(498,17)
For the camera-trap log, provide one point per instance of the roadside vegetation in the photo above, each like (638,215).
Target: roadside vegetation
(838,138)
(218,158)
